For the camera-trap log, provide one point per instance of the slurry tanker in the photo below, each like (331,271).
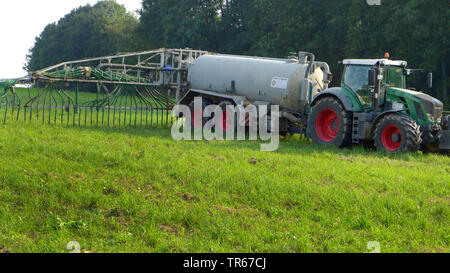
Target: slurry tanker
(372,106)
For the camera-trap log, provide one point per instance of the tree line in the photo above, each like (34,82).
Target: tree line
(412,30)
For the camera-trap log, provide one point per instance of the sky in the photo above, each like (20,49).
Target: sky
(23,20)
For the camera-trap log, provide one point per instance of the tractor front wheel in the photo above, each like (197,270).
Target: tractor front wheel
(397,133)
(330,124)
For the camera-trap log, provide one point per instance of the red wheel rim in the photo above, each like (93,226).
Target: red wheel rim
(226,121)
(327,125)
(391,138)
(197,119)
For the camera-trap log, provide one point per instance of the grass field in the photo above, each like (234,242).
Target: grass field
(137,190)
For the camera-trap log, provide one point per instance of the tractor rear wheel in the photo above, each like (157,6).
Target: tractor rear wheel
(330,124)
(197,120)
(397,133)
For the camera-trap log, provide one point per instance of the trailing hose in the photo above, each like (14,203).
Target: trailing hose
(91,73)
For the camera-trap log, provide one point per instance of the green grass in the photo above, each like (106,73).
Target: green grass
(137,190)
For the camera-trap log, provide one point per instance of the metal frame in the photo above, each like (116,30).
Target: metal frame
(159,68)
(138,92)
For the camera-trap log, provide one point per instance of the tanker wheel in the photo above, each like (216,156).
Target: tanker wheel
(330,124)
(397,133)
(228,120)
(197,120)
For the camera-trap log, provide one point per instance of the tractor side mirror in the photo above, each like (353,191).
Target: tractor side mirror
(372,76)
(430,80)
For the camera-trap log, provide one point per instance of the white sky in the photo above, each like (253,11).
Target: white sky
(22,20)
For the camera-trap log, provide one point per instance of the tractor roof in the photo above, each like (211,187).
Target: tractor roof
(373,62)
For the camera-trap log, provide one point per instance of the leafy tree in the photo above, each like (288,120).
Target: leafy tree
(87,31)
(185,23)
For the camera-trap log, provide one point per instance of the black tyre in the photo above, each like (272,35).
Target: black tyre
(330,124)
(397,133)
(196,119)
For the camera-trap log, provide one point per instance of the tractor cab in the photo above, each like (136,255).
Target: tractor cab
(355,78)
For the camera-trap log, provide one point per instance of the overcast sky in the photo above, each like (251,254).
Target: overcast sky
(22,20)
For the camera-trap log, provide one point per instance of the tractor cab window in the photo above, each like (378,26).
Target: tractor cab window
(394,76)
(356,78)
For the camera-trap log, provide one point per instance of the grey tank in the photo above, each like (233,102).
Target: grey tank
(277,81)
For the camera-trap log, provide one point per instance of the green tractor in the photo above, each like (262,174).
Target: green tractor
(373,106)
